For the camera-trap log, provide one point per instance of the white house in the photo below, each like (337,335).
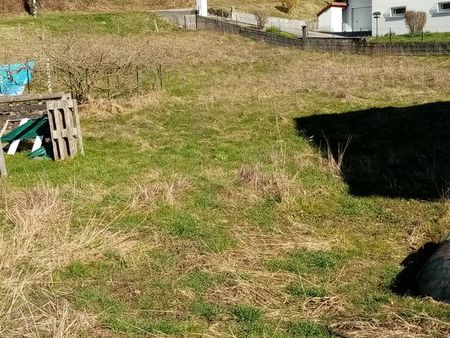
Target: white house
(358,16)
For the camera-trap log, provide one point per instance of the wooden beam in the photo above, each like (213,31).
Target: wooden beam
(34,97)
(3,172)
(23,108)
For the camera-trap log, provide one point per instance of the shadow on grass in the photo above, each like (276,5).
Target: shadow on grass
(405,282)
(394,152)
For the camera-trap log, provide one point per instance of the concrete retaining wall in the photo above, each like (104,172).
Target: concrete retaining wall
(286,25)
(348,45)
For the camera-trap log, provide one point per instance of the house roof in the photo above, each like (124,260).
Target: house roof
(332,4)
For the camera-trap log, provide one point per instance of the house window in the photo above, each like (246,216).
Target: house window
(398,11)
(444,6)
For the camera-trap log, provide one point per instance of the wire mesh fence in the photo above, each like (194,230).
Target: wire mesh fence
(105,81)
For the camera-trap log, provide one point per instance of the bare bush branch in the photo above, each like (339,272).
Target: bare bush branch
(261,18)
(415,21)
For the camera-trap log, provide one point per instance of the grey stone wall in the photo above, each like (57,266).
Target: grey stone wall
(348,45)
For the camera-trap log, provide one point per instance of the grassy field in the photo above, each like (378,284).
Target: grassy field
(263,192)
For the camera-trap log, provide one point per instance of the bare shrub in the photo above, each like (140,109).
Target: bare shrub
(288,5)
(39,240)
(89,68)
(415,21)
(220,12)
(261,18)
(13,6)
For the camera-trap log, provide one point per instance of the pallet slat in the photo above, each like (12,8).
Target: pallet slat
(23,108)
(64,128)
(34,97)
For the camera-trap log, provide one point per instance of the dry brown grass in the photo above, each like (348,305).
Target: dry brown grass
(306,9)
(249,281)
(17,6)
(345,77)
(39,239)
(105,109)
(335,161)
(153,190)
(394,326)
(276,185)
(289,5)
(356,79)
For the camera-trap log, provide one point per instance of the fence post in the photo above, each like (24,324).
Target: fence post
(137,80)
(3,172)
(305,35)
(49,76)
(161,77)
(28,79)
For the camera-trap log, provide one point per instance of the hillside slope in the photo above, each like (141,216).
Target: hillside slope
(16,6)
(307,9)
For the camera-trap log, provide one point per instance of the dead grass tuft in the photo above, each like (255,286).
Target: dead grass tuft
(335,157)
(105,109)
(275,185)
(39,240)
(393,326)
(154,190)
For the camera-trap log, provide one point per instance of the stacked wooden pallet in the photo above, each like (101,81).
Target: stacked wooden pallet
(64,121)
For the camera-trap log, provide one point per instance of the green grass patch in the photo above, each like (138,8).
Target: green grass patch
(208,311)
(416,37)
(304,261)
(302,329)
(97,23)
(302,291)
(247,314)
(277,31)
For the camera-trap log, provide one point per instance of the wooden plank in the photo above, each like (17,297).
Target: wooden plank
(19,116)
(53,131)
(23,108)
(33,97)
(59,129)
(78,126)
(3,171)
(68,119)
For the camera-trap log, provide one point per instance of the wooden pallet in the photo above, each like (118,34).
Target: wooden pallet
(65,131)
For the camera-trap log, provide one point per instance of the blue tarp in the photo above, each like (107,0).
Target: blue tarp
(14,77)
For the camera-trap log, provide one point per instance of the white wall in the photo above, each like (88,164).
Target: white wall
(435,22)
(347,14)
(325,21)
(202,7)
(331,20)
(286,25)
